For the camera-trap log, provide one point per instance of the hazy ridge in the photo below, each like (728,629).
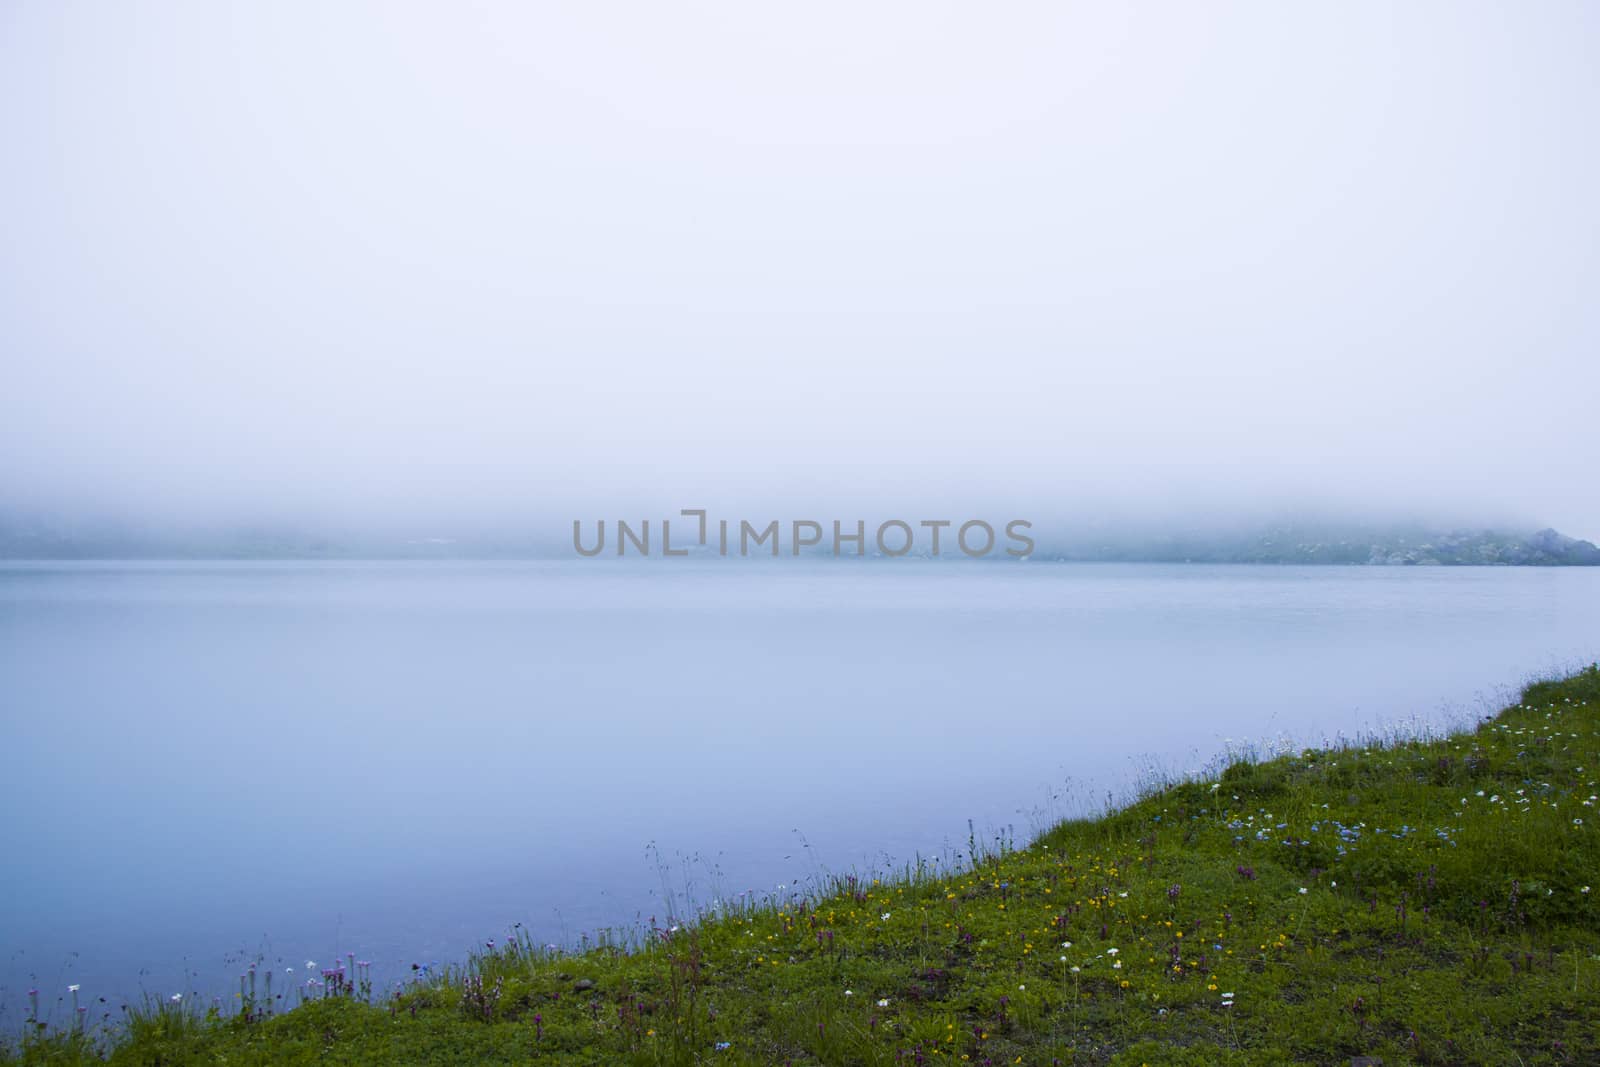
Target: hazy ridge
(1289,543)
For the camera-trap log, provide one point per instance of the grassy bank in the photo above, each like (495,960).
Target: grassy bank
(1426,903)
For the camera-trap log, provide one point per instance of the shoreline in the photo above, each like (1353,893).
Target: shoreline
(1422,901)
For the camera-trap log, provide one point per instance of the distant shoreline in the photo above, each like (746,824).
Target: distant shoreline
(1292,543)
(843,561)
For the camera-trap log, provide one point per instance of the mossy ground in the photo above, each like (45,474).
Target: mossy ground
(1425,902)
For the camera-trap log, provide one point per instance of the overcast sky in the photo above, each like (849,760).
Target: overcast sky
(397,261)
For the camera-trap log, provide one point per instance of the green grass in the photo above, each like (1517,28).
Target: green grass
(1425,901)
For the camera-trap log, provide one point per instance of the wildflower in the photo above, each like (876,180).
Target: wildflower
(849,993)
(883,1003)
(1066,944)
(723,1046)
(1111,952)
(72,989)
(1585,889)
(1303,890)
(176,997)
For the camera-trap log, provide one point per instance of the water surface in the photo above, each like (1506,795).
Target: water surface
(206,762)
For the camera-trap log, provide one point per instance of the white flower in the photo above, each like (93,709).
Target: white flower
(311,965)
(1063,959)
(1585,889)
(72,988)
(1075,970)
(1333,885)
(1022,987)
(884,1003)
(884,916)
(849,993)
(176,997)
(1111,952)
(1117,966)
(1066,944)
(1303,890)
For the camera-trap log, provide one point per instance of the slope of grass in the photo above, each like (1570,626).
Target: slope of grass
(1427,902)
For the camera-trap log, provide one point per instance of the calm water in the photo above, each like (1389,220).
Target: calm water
(203,761)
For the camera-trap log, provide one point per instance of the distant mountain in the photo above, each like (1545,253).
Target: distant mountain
(1546,548)
(1320,544)
(1307,542)
(44,539)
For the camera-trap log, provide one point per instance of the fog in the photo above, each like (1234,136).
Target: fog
(456,264)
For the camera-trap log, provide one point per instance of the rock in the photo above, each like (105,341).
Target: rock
(583,985)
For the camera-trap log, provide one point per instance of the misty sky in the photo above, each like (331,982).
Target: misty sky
(401,261)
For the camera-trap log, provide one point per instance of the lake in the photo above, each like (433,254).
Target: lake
(210,762)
